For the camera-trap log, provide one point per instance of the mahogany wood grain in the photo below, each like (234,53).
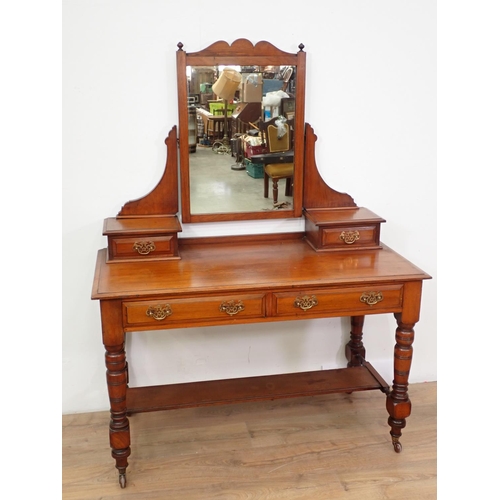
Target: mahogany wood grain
(250,263)
(216,392)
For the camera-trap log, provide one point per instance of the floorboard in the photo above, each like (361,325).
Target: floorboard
(323,447)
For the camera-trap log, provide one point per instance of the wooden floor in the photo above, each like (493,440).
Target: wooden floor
(324,447)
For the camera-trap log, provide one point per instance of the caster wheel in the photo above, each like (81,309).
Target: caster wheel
(398,447)
(122,479)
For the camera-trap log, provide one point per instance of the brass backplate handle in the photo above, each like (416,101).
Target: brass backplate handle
(159,312)
(371,298)
(349,237)
(305,302)
(144,247)
(231,307)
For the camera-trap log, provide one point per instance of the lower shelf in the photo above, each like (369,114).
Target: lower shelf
(217,392)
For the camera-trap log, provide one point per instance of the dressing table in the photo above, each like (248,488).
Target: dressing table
(149,278)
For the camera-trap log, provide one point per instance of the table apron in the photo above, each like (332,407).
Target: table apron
(239,308)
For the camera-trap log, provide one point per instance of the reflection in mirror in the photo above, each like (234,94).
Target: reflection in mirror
(241,138)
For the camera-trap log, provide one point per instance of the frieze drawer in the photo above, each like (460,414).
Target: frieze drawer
(320,303)
(163,313)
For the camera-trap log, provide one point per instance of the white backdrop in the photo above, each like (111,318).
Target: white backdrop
(371,99)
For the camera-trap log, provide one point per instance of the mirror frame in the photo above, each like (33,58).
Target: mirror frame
(244,53)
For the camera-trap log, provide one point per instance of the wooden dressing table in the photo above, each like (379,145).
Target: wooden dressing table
(149,279)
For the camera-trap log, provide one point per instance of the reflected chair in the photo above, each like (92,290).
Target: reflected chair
(278,163)
(215,127)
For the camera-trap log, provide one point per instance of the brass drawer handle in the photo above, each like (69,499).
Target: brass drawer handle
(371,298)
(159,312)
(144,247)
(349,237)
(231,307)
(306,302)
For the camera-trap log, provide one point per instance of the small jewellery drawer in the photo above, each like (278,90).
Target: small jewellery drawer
(349,237)
(192,311)
(142,238)
(352,300)
(142,247)
(342,229)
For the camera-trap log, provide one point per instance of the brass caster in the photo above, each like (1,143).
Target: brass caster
(122,479)
(398,447)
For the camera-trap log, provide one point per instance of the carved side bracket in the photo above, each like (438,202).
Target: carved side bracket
(164,198)
(317,194)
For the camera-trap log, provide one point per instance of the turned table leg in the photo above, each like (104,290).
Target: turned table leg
(354,349)
(119,431)
(398,403)
(116,377)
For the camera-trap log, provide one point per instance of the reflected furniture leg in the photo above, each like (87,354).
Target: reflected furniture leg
(275,191)
(398,403)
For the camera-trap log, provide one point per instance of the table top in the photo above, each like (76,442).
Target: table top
(259,262)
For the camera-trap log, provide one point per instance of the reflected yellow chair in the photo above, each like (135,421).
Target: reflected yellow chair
(277,166)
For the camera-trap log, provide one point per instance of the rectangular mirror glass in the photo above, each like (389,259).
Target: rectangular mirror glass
(231,151)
